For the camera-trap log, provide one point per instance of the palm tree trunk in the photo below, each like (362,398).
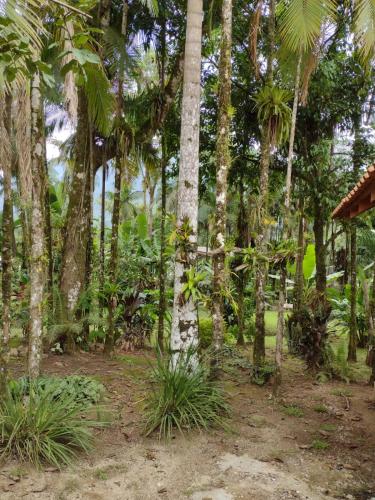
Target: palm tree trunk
(23,149)
(162,270)
(352,347)
(49,245)
(102,236)
(77,226)
(265,153)
(38,247)
(7,233)
(299,278)
(184,334)
(286,230)
(261,268)
(113,261)
(223,161)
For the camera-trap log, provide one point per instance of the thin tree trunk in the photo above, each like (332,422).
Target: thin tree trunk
(261,267)
(367,307)
(320,250)
(286,232)
(353,331)
(223,161)
(38,249)
(102,236)
(23,149)
(113,260)
(85,310)
(121,152)
(288,183)
(299,278)
(184,334)
(48,237)
(241,275)
(162,270)
(352,346)
(7,233)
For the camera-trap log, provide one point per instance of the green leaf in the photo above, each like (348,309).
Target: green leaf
(309,262)
(84,56)
(142,226)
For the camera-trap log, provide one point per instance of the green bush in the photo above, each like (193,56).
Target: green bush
(293,411)
(205,328)
(260,375)
(183,398)
(41,427)
(80,389)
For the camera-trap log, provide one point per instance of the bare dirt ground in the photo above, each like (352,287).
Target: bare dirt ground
(317,442)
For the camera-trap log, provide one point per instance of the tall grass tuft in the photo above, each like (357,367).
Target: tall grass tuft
(40,428)
(183,398)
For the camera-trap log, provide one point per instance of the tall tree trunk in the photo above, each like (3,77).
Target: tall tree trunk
(102,235)
(113,260)
(299,278)
(352,346)
(320,249)
(7,233)
(286,233)
(85,309)
(77,226)
(353,331)
(23,148)
(184,334)
(38,247)
(162,306)
(223,161)
(261,268)
(265,153)
(48,237)
(121,152)
(241,275)
(162,271)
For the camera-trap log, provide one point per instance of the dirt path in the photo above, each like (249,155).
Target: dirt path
(317,443)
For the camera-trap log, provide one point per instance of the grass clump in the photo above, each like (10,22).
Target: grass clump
(321,408)
(329,427)
(343,391)
(319,444)
(40,427)
(183,397)
(293,411)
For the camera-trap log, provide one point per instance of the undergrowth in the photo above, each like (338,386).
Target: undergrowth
(40,424)
(183,398)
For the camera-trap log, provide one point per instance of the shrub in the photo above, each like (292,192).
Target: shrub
(39,427)
(81,390)
(183,398)
(260,375)
(321,408)
(319,444)
(293,411)
(205,328)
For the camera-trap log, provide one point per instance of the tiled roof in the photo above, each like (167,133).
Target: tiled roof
(360,191)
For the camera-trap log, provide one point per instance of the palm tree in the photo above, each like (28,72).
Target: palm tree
(7,229)
(223,161)
(38,247)
(184,334)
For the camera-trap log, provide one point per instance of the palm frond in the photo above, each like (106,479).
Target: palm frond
(364,27)
(99,97)
(301,21)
